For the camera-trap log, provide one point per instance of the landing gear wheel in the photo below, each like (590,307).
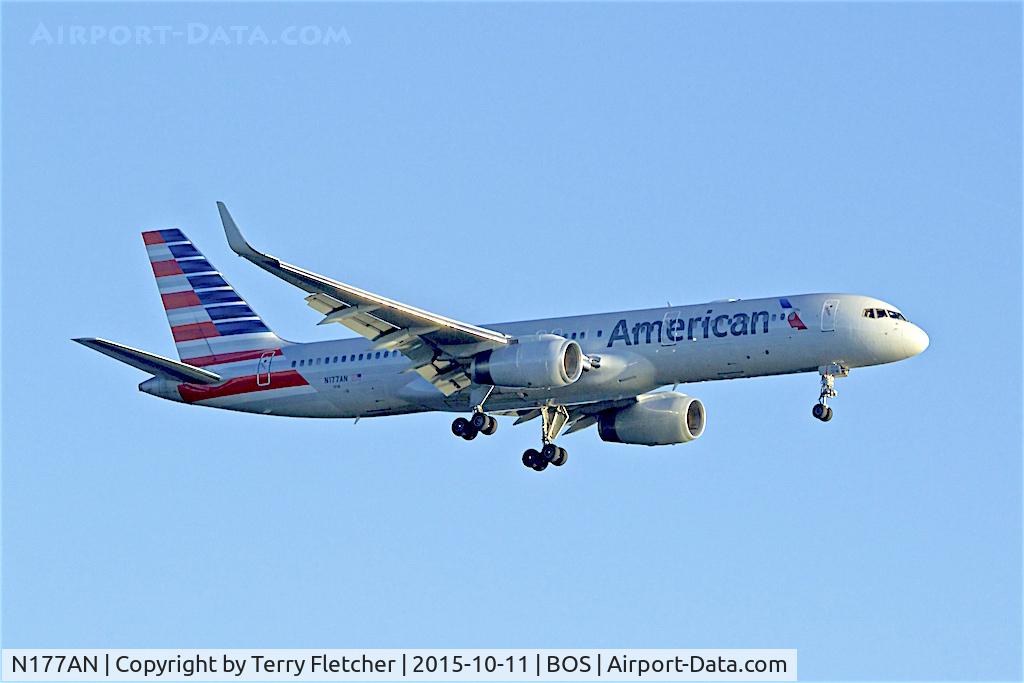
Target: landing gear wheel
(479,421)
(549,452)
(490,427)
(460,426)
(530,458)
(560,458)
(828,415)
(819,410)
(470,434)
(541,464)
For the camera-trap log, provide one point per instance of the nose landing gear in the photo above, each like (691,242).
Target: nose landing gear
(821,409)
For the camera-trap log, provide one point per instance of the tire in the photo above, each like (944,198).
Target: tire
(470,434)
(541,465)
(549,452)
(818,411)
(561,458)
(490,427)
(828,415)
(479,421)
(460,426)
(530,457)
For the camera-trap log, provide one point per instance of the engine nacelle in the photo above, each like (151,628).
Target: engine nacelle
(657,419)
(537,361)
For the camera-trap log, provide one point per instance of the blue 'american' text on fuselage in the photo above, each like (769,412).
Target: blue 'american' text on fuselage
(680,329)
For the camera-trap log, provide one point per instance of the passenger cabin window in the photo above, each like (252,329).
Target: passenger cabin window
(302,362)
(293,364)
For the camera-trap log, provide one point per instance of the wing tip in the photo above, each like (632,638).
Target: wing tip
(236,240)
(231,231)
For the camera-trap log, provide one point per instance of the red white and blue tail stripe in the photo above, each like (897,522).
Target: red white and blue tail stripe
(212,325)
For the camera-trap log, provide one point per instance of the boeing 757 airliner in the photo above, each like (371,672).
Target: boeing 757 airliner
(572,372)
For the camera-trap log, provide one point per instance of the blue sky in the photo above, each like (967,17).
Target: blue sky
(518,161)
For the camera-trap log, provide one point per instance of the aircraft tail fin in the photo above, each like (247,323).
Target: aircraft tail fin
(211,324)
(150,362)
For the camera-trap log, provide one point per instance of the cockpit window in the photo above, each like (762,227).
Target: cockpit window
(882,313)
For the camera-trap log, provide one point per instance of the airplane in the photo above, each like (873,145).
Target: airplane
(602,370)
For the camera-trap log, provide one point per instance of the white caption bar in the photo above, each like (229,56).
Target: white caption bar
(399,665)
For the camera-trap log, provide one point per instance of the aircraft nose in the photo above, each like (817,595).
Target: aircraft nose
(915,340)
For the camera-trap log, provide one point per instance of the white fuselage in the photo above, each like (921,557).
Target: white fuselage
(639,351)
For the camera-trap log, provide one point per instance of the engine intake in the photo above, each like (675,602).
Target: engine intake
(537,361)
(662,418)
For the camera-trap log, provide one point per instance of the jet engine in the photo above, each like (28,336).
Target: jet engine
(536,361)
(658,419)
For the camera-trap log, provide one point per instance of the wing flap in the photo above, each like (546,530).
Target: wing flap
(581,423)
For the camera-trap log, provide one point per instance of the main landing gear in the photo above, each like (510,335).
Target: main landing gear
(479,423)
(548,454)
(553,418)
(821,409)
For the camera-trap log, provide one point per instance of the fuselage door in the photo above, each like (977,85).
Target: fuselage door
(669,336)
(263,370)
(829,310)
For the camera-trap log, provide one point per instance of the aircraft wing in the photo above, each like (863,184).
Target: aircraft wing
(439,347)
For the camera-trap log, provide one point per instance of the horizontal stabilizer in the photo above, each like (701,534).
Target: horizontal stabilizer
(150,362)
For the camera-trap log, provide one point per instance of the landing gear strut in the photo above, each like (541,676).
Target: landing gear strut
(553,418)
(821,409)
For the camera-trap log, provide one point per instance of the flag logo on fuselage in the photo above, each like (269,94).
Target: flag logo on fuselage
(793,315)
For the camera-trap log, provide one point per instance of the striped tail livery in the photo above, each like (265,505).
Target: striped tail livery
(212,325)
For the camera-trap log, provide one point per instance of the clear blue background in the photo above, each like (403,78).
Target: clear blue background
(518,161)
